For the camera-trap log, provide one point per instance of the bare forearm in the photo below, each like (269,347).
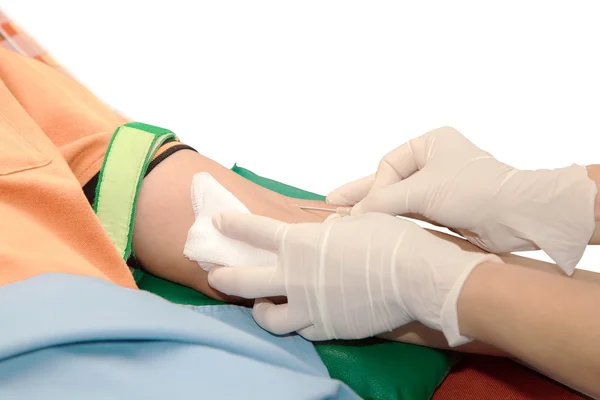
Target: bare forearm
(578,275)
(419,334)
(530,263)
(416,333)
(549,322)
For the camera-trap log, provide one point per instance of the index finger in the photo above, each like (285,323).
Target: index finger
(247,282)
(256,230)
(400,163)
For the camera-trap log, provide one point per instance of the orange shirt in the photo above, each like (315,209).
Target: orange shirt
(53,136)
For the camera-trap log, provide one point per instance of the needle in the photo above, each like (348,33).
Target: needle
(337,210)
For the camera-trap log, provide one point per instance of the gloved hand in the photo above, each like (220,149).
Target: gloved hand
(445,178)
(351,278)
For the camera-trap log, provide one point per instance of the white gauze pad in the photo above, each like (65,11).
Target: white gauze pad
(205,244)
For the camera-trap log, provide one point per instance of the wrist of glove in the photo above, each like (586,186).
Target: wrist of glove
(445,178)
(353,277)
(551,210)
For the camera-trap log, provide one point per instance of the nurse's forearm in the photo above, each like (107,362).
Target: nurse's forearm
(549,322)
(594,174)
(419,334)
(580,275)
(416,333)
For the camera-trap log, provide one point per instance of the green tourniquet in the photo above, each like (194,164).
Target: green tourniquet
(374,369)
(129,152)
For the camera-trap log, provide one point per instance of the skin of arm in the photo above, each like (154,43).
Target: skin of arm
(594,174)
(417,333)
(548,321)
(164,216)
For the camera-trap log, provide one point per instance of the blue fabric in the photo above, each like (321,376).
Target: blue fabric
(66,336)
(241,318)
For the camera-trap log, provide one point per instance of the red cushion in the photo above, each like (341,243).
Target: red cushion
(481,377)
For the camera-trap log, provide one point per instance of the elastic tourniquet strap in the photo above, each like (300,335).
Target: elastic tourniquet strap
(129,152)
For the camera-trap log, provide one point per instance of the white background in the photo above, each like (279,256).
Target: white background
(313,93)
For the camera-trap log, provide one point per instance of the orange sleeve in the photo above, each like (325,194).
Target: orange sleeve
(47,223)
(74,119)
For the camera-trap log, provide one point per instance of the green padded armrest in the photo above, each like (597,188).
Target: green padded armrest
(380,369)
(275,186)
(374,369)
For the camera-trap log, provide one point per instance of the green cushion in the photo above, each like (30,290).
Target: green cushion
(174,292)
(374,369)
(380,369)
(275,186)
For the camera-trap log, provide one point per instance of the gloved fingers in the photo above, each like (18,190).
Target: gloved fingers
(247,282)
(256,230)
(333,217)
(475,239)
(462,232)
(400,163)
(425,219)
(276,318)
(398,199)
(352,192)
(313,334)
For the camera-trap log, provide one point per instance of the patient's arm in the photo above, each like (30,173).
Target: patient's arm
(164,215)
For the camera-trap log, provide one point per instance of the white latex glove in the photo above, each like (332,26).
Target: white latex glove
(351,278)
(445,178)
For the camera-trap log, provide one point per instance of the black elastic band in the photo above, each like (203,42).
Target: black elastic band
(166,154)
(89,189)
